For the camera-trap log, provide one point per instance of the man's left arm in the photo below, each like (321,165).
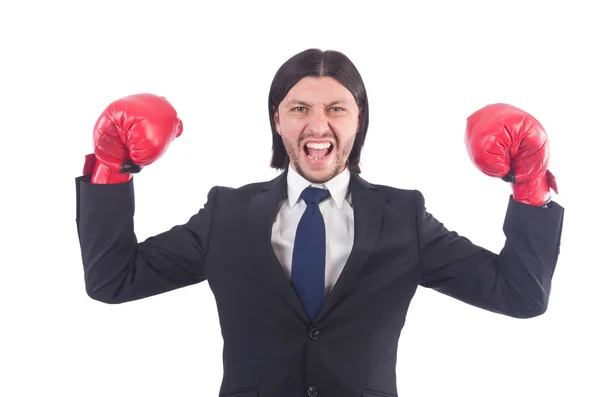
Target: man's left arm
(503,142)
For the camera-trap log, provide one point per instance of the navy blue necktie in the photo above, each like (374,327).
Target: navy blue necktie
(308,260)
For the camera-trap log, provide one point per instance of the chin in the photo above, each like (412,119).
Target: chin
(318,177)
(318,174)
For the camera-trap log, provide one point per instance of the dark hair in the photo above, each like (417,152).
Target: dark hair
(316,63)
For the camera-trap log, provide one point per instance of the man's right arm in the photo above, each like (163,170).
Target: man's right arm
(118,268)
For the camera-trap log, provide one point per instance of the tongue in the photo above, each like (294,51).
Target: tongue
(317,153)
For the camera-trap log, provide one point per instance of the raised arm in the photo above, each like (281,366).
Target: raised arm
(131,133)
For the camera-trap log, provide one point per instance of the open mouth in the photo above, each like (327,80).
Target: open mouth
(318,151)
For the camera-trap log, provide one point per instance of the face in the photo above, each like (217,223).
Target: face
(318,121)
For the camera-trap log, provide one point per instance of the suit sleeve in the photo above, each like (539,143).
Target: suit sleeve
(516,282)
(118,268)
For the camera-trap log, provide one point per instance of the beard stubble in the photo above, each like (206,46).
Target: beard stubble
(341,153)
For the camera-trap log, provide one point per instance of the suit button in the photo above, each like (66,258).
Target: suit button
(312,392)
(315,333)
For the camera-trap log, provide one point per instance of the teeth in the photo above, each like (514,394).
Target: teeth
(313,145)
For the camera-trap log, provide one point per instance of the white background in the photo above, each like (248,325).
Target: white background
(426,68)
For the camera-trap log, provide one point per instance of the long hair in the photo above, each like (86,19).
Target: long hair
(316,63)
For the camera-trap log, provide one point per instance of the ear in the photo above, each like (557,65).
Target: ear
(276,120)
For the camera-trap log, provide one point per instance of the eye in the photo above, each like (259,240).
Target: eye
(298,107)
(337,107)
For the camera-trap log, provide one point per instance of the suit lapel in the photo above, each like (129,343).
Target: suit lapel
(262,212)
(368,208)
(368,214)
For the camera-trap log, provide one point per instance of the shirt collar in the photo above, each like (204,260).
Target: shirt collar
(337,186)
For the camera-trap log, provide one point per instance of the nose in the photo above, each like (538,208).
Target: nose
(318,122)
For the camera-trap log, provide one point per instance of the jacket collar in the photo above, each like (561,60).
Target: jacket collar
(368,207)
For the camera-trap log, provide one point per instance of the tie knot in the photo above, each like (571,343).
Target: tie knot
(314,195)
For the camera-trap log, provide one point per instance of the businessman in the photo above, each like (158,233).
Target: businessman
(313,272)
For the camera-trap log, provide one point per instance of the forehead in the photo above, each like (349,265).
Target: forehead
(318,89)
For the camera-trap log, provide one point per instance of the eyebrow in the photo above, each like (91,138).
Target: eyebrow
(302,103)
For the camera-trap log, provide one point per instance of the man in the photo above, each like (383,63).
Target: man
(313,271)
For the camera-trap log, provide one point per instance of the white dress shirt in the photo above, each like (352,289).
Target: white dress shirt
(339,224)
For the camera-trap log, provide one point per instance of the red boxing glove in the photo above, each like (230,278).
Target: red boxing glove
(506,142)
(131,133)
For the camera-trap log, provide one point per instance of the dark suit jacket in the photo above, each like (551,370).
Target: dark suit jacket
(271,349)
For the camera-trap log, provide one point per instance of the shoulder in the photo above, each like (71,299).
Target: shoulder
(396,194)
(246,190)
